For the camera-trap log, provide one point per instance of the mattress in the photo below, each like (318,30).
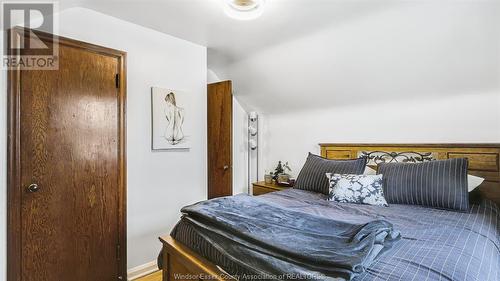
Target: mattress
(435,245)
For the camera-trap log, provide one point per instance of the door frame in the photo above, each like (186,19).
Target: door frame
(14,191)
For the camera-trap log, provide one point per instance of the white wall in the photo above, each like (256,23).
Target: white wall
(240,134)
(212,77)
(240,148)
(463,118)
(159,183)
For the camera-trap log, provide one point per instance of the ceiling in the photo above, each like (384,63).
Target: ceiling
(317,53)
(204,22)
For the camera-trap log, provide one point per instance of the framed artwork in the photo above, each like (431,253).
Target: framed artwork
(169,120)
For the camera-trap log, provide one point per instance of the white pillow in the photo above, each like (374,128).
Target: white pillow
(369,171)
(473,181)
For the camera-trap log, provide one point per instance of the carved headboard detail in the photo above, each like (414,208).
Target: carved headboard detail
(484,159)
(377,157)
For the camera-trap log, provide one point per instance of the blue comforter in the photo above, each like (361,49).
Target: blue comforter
(280,243)
(436,244)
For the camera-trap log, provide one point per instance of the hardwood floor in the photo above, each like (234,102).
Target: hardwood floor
(156,276)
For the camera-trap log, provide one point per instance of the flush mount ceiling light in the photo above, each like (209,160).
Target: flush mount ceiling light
(244,9)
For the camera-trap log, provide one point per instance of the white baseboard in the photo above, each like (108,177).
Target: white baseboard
(141,270)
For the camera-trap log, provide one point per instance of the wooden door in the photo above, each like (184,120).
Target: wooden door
(67,167)
(220,119)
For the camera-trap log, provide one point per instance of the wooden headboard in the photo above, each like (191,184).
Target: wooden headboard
(484,159)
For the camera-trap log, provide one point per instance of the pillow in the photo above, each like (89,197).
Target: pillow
(439,184)
(312,176)
(359,189)
(472,181)
(369,171)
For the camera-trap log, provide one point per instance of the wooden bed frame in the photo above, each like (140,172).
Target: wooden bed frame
(180,263)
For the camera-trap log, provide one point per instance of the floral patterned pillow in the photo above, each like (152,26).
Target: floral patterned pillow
(359,189)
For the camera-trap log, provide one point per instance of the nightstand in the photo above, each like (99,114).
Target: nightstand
(262,187)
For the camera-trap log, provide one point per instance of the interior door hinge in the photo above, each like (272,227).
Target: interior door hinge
(118,251)
(117,81)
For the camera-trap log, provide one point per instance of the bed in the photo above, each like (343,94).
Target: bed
(435,245)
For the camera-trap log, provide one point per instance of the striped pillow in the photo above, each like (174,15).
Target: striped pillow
(312,176)
(439,184)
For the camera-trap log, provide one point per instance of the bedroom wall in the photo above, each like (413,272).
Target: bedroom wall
(240,149)
(463,118)
(159,183)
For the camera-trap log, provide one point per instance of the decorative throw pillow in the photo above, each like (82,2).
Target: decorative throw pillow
(359,189)
(312,176)
(439,184)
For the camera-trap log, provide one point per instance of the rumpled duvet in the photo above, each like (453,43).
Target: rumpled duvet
(280,243)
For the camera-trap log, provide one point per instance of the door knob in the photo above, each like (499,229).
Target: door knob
(226,167)
(33,188)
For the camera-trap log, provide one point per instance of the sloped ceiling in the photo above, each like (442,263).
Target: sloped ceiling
(307,54)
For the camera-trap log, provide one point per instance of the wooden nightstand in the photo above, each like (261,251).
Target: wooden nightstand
(262,187)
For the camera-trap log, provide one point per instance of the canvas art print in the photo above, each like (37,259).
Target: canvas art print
(169,119)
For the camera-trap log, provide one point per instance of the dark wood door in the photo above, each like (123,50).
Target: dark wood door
(67,169)
(220,119)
